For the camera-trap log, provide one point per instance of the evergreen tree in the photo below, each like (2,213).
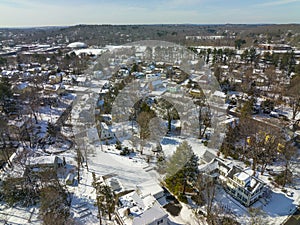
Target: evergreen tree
(5,93)
(293,92)
(105,199)
(238,43)
(182,169)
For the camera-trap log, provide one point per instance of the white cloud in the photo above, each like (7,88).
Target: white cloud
(278,2)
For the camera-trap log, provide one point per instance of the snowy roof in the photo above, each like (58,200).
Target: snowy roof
(150,215)
(104,126)
(228,121)
(18,123)
(196,91)
(156,82)
(81,79)
(243,176)
(142,209)
(219,94)
(77,88)
(150,187)
(77,45)
(208,156)
(89,51)
(132,201)
(42,160)
(209,167)
(22,85)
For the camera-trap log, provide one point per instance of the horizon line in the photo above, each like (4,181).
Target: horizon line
(140,24)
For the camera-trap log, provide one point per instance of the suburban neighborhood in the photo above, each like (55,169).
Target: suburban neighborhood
(122,127)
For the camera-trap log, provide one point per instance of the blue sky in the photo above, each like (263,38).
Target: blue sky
(20,13)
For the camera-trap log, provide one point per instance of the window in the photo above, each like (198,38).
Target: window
(160,222)
(239,196)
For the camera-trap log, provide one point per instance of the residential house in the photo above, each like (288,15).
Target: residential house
(54,89)
(156,86)
(37,164)
(196,93)
(231,121)
(105,132)
(152,188)
(135,209)
(17,128)
(57,78)
(81,80)
(242,184)
(22,88)
(274,47)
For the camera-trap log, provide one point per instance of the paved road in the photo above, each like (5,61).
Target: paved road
(294,219)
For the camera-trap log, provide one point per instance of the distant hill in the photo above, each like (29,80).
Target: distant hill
(101,35)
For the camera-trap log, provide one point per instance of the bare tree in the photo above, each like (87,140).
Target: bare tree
(257,216)
(79,162)
(287,153)
(270,77)
(294,94)
(215,213)
(143,120)
(204,116)
(54,205)
(168,110)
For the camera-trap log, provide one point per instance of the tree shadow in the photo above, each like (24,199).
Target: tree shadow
(169,141)
(279,205)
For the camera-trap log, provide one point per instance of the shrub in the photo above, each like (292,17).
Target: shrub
(198,199)
(125,151)
(248,163)
(205,143)
(284,190)
(283,178)
(235,155)
(118,146)
(182,198)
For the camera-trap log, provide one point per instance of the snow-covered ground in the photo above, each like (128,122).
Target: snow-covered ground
(130,171)
(18,215)
(273,210)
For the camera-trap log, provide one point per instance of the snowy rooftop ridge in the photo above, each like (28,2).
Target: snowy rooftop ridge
(137,210)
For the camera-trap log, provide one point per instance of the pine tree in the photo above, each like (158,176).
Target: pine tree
(5,94)
(182,169)
(105,199)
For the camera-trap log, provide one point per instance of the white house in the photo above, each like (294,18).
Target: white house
(105,132)
(77,45)
(135,209)
(242,184)
(152,188)
(40,162)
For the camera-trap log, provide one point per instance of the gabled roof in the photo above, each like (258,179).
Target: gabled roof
(42,160)
(150,215)
(208,156)
(149,188)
